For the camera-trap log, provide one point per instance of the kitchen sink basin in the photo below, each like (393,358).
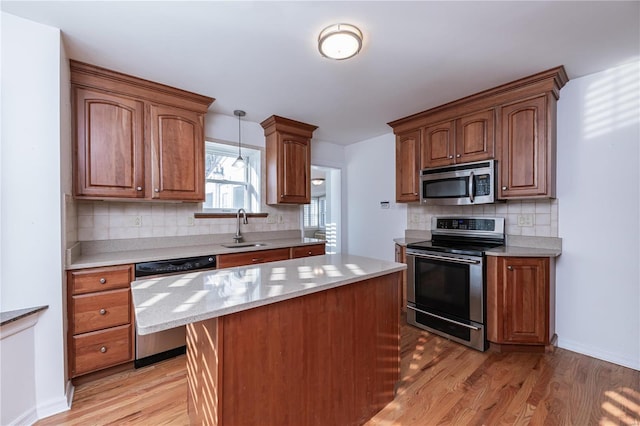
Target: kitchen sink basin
(243,245)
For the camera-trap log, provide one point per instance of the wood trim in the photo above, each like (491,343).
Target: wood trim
(87,75)
(225,215)
(287,125)
(551,80)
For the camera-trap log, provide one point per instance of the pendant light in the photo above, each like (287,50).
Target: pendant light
(239,161)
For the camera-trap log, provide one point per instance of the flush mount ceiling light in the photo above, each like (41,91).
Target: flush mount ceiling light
(239,161)
(340,41)
(317,181)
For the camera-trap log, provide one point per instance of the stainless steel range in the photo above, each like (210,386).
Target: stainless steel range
(446,278)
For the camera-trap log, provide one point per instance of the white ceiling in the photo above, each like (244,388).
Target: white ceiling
(262,56)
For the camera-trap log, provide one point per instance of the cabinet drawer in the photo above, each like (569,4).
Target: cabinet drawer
(252,257)
(304,251)
(96,311)
(99,279)
(101,349)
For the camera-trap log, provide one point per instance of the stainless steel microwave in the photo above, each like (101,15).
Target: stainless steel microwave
(461,184)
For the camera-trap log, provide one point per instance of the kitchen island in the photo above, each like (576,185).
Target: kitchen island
(303,341)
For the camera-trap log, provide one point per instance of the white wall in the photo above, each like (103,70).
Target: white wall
(371,179)
(598,276)
(31,194)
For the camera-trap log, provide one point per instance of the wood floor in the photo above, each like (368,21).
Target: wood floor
(441,383)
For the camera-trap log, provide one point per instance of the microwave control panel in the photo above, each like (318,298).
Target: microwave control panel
(482,185)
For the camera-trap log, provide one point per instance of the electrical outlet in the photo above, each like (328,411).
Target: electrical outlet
(414,218)
(280,219)
(525,220)
(191,221)
(137,221)
(271,218)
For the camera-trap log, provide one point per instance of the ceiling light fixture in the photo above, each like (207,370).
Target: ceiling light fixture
(340,41)
(239,161)
(317,181)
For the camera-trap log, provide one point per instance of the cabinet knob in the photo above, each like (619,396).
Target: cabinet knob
(504,188)
(156,190)
(281,196)
(510,268)
(309,252)
(458,156)
(103,280)
(451,156)
(139,188)
(415,193)
(103,311)
(103,349)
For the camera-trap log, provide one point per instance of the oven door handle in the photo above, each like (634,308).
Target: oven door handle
(446,258)
(443,318)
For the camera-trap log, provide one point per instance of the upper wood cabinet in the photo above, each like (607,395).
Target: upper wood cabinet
(177,154)
(134,138)
(465,139)
(520,300)
(408,166)
(527,159)
(514,123)
(288,158)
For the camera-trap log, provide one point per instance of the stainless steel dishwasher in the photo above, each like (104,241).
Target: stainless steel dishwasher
(166,344)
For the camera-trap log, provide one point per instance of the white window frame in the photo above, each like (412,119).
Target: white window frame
(252,182)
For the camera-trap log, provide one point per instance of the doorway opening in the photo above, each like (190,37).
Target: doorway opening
(321,218)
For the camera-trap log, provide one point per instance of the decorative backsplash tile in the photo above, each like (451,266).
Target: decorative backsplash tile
(107,220)
(537,218)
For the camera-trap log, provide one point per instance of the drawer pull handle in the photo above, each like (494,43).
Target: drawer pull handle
(103,311)
(103,280)
(103,349)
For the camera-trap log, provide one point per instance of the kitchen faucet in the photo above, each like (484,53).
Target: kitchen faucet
(238,237)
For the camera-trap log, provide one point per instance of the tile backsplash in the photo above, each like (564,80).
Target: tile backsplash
(543,215)
(107,220)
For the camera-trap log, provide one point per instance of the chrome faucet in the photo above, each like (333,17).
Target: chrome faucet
(238,237)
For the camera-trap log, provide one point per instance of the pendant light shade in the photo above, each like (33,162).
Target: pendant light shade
(239,161)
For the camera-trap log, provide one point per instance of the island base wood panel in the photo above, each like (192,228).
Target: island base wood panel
(331,357)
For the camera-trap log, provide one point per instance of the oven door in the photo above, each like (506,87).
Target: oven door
(445,295)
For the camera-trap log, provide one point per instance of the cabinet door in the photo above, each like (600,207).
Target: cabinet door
(475,137)
(306,251)
(177,154)
(294,169)
(109,145)
(438,145)
(252,257)
(523,165)
(525,300)
(408,166)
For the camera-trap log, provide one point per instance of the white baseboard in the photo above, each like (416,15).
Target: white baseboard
(54,406)
(29,417)
(70,391)
(598,353)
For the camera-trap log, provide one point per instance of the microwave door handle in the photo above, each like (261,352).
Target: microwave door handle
(472,188)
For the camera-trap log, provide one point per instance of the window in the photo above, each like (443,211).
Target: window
(315,213)
(229,188)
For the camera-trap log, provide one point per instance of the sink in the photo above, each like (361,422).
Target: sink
(242,245)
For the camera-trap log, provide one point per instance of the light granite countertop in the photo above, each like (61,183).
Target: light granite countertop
(519,246)
(122,252)
(170,301)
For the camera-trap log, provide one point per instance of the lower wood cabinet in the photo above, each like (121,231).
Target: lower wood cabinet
(306,251)
(401,257)
(252,257)
(521,302)
(101,320)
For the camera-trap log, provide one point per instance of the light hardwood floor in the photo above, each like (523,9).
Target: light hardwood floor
(441,383)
